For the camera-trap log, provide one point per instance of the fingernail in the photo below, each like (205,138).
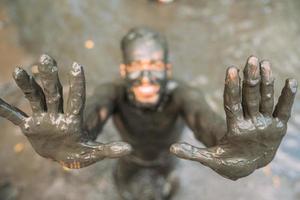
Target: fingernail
(232,75)
(254,69)
(127,148)
(19,73)
(266,71)
(46,60)
(180,148)
(232,72)
(76,68)
(116,148)
(251,71)
(120,147)
(174,148)
(252,60)
(293,84)
(47,64)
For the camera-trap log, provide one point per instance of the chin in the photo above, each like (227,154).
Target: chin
(152,102)
(146,95)
(147,102)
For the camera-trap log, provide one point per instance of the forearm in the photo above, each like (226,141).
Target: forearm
(207,126)
(98,109)
(210,129)
(92,124)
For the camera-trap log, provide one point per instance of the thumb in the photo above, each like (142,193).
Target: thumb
(116,149)
(189,152)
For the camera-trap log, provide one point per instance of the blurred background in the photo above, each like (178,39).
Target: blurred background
(204,37)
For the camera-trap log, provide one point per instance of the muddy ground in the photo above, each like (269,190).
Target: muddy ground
(204,36)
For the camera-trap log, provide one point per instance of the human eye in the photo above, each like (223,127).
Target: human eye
(132,67)
(134,75)
(157,66)
(159,74)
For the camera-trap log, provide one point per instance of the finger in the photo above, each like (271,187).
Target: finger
(49,77)
(116,149)
(92,152)
(232,95)
(251,85)
(33,92)
(189,152)
(266,89)
(11,113)
(76,98)
(111,150)
(286,99)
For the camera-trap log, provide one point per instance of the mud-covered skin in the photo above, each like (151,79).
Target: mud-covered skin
(254,128)
(141,42)
(254,131)
(149,131)
(53,132)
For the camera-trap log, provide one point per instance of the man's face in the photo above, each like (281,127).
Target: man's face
(146,79)
(145,71)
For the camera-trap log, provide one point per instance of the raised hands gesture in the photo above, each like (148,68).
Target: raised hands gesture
(254,128)
(53,132)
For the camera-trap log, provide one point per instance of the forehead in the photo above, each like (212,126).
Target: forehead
(144,50)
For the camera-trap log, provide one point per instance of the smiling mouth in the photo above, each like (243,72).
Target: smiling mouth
(146,93)
(147,90)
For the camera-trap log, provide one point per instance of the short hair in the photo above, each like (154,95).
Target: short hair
(144,34)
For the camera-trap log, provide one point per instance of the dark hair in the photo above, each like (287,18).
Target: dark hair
(144,34)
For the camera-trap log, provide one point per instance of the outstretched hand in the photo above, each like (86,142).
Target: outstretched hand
(54,132)
(254,129)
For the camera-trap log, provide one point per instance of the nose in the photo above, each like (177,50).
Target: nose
(145,80)
(145,77)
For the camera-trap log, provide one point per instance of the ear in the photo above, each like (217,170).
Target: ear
(123,70)
(169,70)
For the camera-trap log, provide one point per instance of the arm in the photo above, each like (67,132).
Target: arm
(207,126)
(100,105)
(55,132)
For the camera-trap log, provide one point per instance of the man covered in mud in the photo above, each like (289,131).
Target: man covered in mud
(149,109)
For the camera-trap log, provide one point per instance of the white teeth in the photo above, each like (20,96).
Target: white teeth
(146,89)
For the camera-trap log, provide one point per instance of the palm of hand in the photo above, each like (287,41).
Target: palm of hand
(60,128)
(52,131)
(254,130)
